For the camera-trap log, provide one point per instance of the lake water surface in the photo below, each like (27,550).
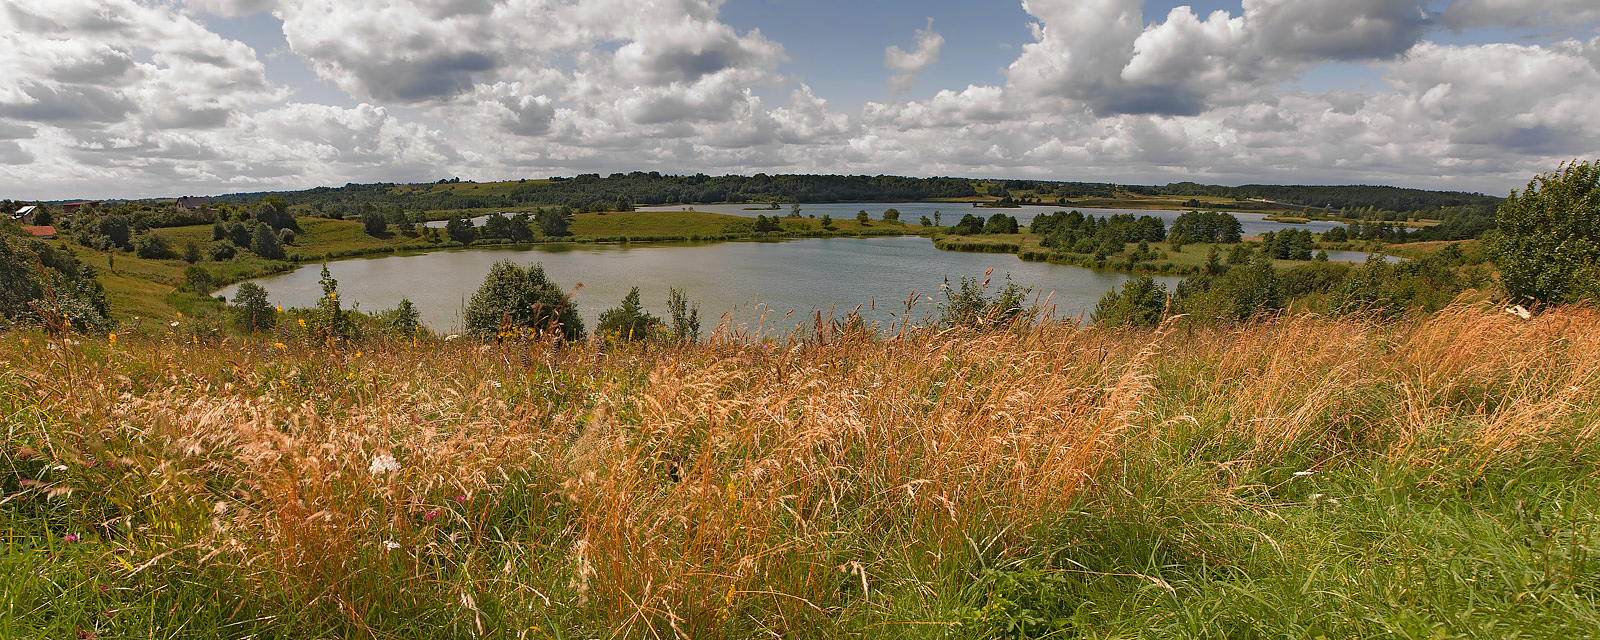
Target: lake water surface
(785,281)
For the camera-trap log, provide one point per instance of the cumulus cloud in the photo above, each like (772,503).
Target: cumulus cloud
(909,65)
(140,95)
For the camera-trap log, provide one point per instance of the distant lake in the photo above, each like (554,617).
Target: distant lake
(786,281)
(951,212)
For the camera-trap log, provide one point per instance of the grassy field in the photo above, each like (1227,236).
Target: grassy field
(1298,478)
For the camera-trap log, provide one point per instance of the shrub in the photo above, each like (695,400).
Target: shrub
(514,298)
(152,246)
(1547,240)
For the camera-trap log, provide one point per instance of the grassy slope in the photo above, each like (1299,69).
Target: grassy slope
(1304,478)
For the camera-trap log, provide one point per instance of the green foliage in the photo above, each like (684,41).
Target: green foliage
(334,324)
(1000,223)
(1240,294)
(926,222)
(403,320)
(1207,226)
(685,318)
(514,298)
(264,242)
(375,223)
(460,230)
(968,226)
(42,216)
(764,224)
(251,310)
(555,223)
(1073,232)
(970,304)
(862,217)
(47,285)
(198,280)
(628,322)
(827,222)
(1289,244)
(1547,239)
(891,215)
(191,252)
(1142,302)
(152,246)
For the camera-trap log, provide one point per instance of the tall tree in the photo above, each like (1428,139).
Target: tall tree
(252,311)
(628,322)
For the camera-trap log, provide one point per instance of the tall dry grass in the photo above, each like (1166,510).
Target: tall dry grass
(808,487)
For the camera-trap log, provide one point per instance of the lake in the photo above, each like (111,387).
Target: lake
(951,212)
(785,281)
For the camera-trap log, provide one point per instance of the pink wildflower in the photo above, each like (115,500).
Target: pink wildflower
(431,515)
(461,499)
(71,537)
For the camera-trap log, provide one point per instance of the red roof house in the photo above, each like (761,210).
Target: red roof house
(46,232)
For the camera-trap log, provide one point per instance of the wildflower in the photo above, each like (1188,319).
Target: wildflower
(431,515)
(1520,312)
(497,384)
(451,337)
(112,339)
(71,537)
(383,463)
(280,308)
(174,323)
(280,345)
(28,482)
(390,545)
(302,322)
(461,499)
(1302,474)
(358,354)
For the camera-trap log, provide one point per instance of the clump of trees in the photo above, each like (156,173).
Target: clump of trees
(1547,237)
(516,300)
(1206,226)
(1288,244)
(1073,232)
(1142,302)
(971,304)
(43,284)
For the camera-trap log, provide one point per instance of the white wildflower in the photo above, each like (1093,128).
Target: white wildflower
(451,337)
(174,323)
(383,463)
(496,384)
(60,467)
(1520,312)
(1302,474)
(390,545)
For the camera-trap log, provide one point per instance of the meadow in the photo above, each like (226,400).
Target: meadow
(1299,476)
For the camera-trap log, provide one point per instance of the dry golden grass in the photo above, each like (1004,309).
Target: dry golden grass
(731,489)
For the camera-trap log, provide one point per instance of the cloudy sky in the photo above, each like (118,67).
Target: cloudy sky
(129,98)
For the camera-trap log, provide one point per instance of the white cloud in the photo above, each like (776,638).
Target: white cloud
(909,65)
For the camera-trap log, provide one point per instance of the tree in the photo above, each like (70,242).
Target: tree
(264,242)
(794,210)
(375,223)
(767,225)
(514,298)
(1141,303)
(404,319)
(42,216)
(969,225)
(333,322)
(827,222)
(46,284)
(628,322)
(926,222)
(1000,223)
(251,310)
(891,215)
(971,305)
(460,230)
(555,223)
(152,246)
(685,318)
(1547,237)
(198,280)
(863,218)
(274,212)
(191,252)
(286,236)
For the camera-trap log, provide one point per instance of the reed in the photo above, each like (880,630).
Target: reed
(1289,477)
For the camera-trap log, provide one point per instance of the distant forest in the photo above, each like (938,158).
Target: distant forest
(594,192)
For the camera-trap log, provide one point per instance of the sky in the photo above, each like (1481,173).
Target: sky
(149,98)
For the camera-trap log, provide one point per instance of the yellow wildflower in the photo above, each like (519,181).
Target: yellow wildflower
(302,323)
(280,345)
(112,339)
